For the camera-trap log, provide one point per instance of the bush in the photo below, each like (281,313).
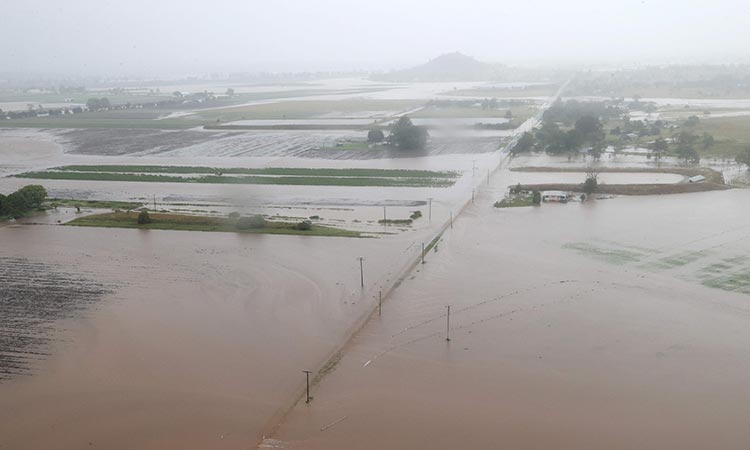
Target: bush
(416,215)
(251,222)
(590,185)
(536,198)
(144,218)
(305,225)
(375,136)
(234,215)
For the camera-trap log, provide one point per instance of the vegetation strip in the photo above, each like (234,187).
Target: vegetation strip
(159,221)
(102,204)
(630,189)
(267,180)
(261,171)
(713,176)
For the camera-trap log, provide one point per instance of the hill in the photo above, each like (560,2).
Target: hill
(448,67)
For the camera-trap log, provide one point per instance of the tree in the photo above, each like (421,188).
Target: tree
(251,222)
(743,158)
(588,127)
(708,141)
(597,150)
(525,144)
(592,182)
(95,104)
(407,136)
(305,225)
(692,121)
(589,131)
(22,201)
(375,136)
(33,195)
(658,147)
(536,198)
(685,138)
(143,217)
(687,152)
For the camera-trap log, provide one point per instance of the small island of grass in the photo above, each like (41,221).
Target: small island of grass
(184,222)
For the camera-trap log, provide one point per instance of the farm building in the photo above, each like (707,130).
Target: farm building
(555,196)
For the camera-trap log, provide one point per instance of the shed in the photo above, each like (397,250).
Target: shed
(697,179)
(555,196)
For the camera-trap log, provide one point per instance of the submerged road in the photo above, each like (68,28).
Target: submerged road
(572,327)
(481,187)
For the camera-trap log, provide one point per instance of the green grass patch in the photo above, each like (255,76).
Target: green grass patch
(256,180)
(303,109)
(433,243)
(679,260)
(610,255)
(395,221)
(263,176)
(102,204)
(184,222)
(515,202)
(736,282)
(400,173)
(712,176)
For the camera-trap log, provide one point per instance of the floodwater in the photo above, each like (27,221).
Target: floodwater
(616,324)
(349,207)
(291,122)
(173,339)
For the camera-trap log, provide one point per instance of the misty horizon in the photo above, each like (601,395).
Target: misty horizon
(175,39)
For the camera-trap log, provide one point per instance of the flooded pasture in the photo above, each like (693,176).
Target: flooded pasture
(169,338)
(36,296)
(605,324)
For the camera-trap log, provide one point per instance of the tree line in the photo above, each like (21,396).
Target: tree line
(404,135)
(26,199)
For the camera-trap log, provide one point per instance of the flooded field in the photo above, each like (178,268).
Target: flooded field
(576,326)
(36,296)
(562,315)
(194,338)
(188,338)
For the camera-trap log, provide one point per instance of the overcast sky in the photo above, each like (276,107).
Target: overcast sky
(174,37)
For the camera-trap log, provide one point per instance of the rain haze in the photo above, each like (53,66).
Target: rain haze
(340,225)
(176,37)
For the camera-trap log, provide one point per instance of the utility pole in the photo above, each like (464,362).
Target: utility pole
(307,380)
(361,272)
(380,303)
(451,220)
(430,213)
(422,252)
(385,219)
(154,202)
(448,325)
(472,196)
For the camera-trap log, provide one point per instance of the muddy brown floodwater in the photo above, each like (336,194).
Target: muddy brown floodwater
(123,339)
(617,324)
